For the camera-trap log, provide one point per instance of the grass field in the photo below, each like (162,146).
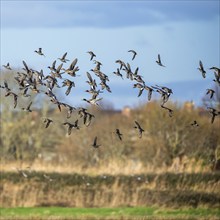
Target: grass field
(137,213)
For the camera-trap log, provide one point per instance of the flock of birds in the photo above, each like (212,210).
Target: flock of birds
(36,81)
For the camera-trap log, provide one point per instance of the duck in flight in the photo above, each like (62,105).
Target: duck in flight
(211,92)
(214,113)
(63,58)
(28,108)
(139,128)
(39,51)
(118,134)
(91,54)
(47,121)
(201,69)
(134,53)
(158,61)
(194,124)
(95,145)
(7,66)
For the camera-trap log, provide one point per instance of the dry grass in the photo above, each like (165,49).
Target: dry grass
(74,190)
(116,167)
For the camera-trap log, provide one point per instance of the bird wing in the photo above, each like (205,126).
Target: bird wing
(68,90)
(25,65)
(159,60)
(138,125)
(89,76)
(15,100)
(140,92)
(64,55)
(213,118)
(29,105)
(149,94)
(95,140)
(73,64)
(59,68)
(201,65)
(53,64)
(47,123)
(69,129)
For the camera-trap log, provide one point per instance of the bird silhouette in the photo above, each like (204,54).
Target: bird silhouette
(158,61)
(15,97)
(7,66)
(216,70)
(134,53)
(72,68)
(47,121)
(69,84)
(27,109)
(194,124)
(93,101)
(91,54)
(63,58)
(213,112)
(122,64)
(150,90)
(70,126)
(118,133)
(201,69)
(139,128)
(211,92)
(95,145)
(53,67)
(217,78)
(39,51)
(170,111)
(70,109)
(117,73)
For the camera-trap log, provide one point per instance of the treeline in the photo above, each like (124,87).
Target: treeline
(166,141)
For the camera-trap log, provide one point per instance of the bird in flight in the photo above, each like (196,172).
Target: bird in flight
(39,51)
(159,61)
(91,54)
(7,66)
(139,128)
(27,109)
(47,121)
(15,96)
(119,134)
(70,126)
(69,84)
(92,101)
(211,92)
(194,124)
(170,111)
(63,58)
(214,113)
(201,69)
(134,53)
(95,145)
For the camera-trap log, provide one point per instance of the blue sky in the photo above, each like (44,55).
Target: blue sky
(183,32)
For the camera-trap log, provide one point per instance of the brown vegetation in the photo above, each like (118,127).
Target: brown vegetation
(184,159)
(73,190)
(168,144)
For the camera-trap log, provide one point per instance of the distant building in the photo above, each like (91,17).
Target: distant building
(189,106)
(126,111)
